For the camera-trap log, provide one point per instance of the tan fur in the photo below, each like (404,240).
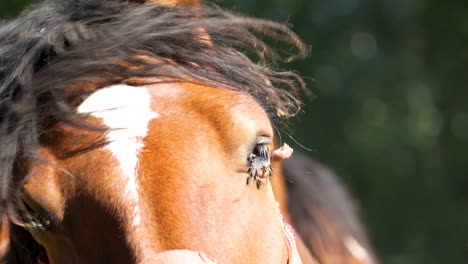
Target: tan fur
(4,237)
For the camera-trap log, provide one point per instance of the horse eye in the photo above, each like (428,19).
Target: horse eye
(260,156)
(258,162)
(34,220)
(261,152)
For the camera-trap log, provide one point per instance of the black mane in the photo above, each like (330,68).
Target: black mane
(57,44)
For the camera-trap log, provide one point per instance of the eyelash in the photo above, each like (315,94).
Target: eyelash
(258,163)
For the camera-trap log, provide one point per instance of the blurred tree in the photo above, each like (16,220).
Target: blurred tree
(10,8)
(390,118)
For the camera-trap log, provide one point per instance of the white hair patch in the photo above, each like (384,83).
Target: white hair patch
(126,111)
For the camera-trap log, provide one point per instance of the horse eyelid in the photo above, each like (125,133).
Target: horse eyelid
(263,140)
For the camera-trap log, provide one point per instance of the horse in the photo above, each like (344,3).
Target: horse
(318,205)
(141,132)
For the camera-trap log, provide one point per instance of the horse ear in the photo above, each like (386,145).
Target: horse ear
(195,3)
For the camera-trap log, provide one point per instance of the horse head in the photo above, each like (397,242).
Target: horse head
(127,134)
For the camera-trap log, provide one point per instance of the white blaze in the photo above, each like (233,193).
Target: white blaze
(126,110)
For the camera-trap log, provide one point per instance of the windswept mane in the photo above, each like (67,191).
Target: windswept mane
(57,44)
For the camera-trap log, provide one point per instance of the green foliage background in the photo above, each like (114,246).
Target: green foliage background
(390,114)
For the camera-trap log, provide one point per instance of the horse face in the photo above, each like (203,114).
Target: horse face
(169,174)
